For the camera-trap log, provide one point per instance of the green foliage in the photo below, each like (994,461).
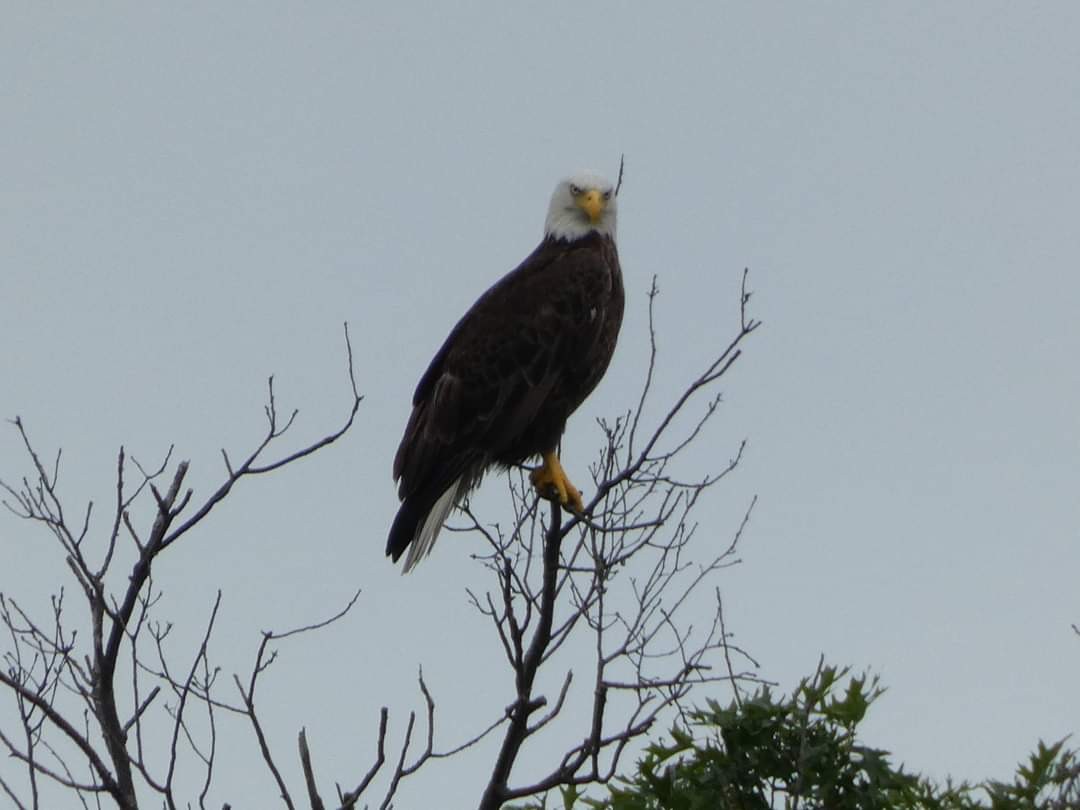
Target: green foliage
(802,753)
(765,753)
(1049,781)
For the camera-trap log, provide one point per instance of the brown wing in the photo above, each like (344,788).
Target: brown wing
(534,335)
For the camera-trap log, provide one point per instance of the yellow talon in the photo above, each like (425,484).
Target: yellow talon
(551,482)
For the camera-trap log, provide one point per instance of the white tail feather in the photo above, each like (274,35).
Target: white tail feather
(422,544)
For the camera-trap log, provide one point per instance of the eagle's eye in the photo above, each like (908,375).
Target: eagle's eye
(607,195)
(575,190)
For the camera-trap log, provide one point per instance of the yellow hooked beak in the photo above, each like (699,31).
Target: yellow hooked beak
(592,202)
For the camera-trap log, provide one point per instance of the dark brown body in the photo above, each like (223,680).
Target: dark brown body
(500,389)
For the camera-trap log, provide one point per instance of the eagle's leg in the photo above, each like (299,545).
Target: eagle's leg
(551,482)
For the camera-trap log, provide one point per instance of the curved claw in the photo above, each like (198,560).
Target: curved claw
(550,482)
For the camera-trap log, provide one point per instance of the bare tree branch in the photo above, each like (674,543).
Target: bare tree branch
(309,775)
(55,666)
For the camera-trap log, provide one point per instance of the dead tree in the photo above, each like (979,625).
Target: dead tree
(623,574)
(621,577)
(94,745)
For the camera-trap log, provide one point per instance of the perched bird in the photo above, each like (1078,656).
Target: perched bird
(512,370)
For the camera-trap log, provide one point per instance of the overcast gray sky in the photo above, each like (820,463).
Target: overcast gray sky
(193,197)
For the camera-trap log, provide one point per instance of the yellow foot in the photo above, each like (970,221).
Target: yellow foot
(551,482)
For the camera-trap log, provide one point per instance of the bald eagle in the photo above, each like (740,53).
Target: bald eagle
(512,370)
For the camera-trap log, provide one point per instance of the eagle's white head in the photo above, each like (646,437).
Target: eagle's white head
(580,204)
